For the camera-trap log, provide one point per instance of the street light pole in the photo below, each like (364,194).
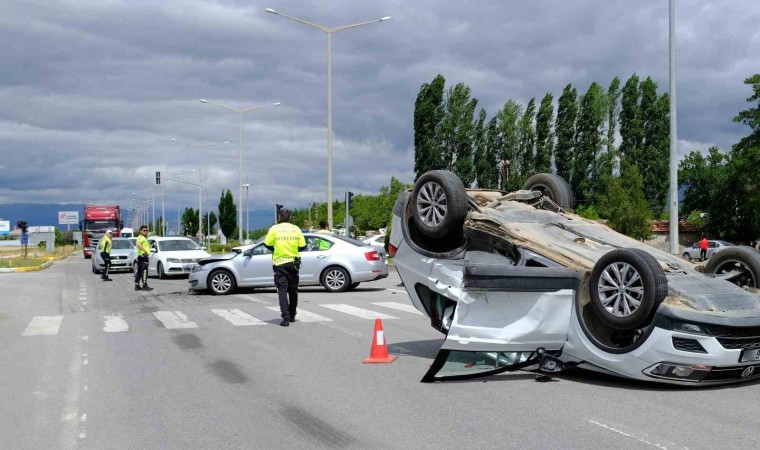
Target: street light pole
(247,212)
(240,113)
(673,135)
(329,32)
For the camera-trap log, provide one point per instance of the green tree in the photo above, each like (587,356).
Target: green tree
(428,112)
(227,213)
(608,162)
(485,160)
(456,133)
(190,221)
(509,119)
(656,150)
(544,137)
(589,142)
(744,169)
(567,112)
(631,129)
(709,188)
(489,175)
(205,223)
(622,203)
(527,142)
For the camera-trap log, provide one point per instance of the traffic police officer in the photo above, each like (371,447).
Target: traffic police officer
(285,240)
(143,252)
(104,246)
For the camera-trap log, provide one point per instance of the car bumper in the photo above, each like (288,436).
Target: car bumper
(375,273)
(117,265)
(178,268)
(197,280)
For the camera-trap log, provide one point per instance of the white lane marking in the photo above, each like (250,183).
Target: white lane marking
(83,418)
(396,290)
(639,436)
(399,306)
(304,316)
(43,326)
(358,312)
(252,299)
(115,324)
(174,319)
(237,317)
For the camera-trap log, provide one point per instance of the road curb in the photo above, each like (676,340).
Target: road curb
(42,266)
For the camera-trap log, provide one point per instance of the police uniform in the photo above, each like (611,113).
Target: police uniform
(104,246)
(285,240)
(142,263)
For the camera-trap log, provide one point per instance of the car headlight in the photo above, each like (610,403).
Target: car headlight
(198,268)
(172,260)
(690,328)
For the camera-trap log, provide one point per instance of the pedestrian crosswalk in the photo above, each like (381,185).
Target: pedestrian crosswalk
(176,320)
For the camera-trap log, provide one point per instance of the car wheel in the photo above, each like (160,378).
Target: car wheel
(221,282)
(161,273)
(336,279)
(552,186)
(739,265)
(134,267)
(687,257)
(626,287)
(353,286)
(439,203)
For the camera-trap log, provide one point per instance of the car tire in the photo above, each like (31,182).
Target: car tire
(134,267)
(647,286)
(687,256)
(553,187)
(160,270)
(439,204)
(336,279)
(221,282)
(353,286)
(744,259)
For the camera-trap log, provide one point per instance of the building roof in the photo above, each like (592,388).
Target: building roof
(663,226)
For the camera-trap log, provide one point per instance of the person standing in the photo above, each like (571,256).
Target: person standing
(323,228)
(143,253)
(703,245)
(104,246)
(285,240)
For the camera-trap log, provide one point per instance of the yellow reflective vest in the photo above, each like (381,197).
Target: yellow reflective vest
(105,244)
(285,238)
(142,241)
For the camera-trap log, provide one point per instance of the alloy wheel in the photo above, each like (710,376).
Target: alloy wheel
(221,282)
(335,279)
(621,289)
(432,204)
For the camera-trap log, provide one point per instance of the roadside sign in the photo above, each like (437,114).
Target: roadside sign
(68,217)
(5,227)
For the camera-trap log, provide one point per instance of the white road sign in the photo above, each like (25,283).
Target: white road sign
(68,217)
(5,227)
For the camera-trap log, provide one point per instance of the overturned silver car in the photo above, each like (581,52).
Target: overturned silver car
(516,280)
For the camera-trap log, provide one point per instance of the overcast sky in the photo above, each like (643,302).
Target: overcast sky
(93,91)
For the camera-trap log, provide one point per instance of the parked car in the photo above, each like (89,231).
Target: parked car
(337,263)
(173,256)
(123,256)
(515,280)
(713,247)
(377,240)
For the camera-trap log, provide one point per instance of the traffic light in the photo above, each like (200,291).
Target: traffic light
(349,199)
(158,177)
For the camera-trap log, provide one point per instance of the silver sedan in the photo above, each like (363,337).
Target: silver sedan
(335,262)
(123,255)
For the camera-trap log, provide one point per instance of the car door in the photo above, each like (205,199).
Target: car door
(497,317)
(256,269)
(153,258)
(313,258)
(712,247)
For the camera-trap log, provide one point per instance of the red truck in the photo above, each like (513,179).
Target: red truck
(98,219)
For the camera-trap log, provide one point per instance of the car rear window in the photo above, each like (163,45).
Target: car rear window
(121,244)
(349,240)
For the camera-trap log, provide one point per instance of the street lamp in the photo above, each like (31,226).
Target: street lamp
(163,215)
(247,212)
(240,113)
(673,133)
(199,147)
(329,32)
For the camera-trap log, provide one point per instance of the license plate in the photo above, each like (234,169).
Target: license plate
(188,266)
(750,355)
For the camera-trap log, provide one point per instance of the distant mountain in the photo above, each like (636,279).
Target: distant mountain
(46,214)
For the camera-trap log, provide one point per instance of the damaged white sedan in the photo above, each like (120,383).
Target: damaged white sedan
(518,281)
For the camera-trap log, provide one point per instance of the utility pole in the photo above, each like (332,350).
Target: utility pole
(673,136)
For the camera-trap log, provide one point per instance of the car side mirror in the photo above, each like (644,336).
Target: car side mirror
(248,252)
(154,250)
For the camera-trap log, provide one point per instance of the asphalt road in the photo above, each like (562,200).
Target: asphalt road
(91,364)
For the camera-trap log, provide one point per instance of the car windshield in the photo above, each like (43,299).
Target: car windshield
(177,245)
(99,225)
(121,244)
(727,244)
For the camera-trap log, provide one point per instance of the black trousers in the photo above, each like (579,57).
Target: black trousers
(702,254)
(286,280)
(106,262)
(142,270)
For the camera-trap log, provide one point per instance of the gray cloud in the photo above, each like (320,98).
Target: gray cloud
(93,92)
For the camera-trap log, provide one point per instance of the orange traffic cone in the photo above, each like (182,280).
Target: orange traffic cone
(379,351)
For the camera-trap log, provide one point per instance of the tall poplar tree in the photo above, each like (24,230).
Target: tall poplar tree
(631,129)
(527,142)
(485,162)
(494,150)
(227,213)
(509,119)
(456,133)
(427,115)
(590,139)
(656,153)
(544,137)
(607,165)
(567,111)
